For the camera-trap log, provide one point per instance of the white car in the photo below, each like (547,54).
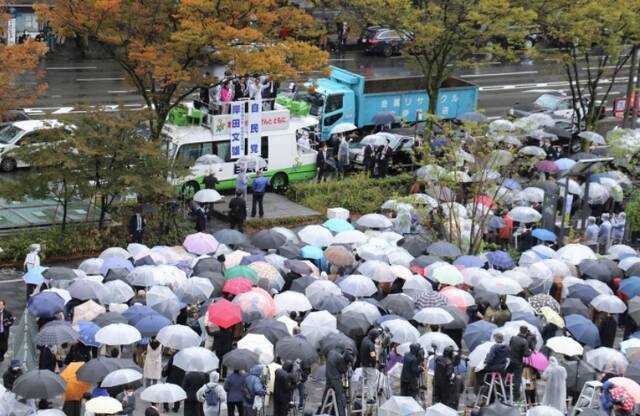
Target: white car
(17,134)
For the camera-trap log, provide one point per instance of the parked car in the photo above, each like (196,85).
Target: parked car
(401,145)
(21,133)
(554,103)
(12,116)
(380,40)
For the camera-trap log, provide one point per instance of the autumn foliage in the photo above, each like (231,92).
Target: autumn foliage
(17,64)
(162,45)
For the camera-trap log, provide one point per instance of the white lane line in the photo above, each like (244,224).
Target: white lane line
(11,281)
(499,74)
(341,59)
(70,68)
(63,110)
(99,79)
(120,91)
(604,67)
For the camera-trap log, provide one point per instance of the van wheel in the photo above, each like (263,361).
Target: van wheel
(280,182)
(387,51)
(189,189)
(8,165)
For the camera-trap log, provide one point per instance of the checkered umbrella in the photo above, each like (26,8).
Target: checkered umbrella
(56,333)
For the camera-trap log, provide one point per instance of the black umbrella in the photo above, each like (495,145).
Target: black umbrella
(353,324)
(59,273)
(272,329)
(301,283)
(633,372)
(228,236)
(578,373)
(595,270)
(583,156)
(384,117)
(499,409)
(207,264)
(240,359)
(337,341)
(633,309)
(460,319)
(574,306)
(289,250)
(549,187)
(94,370)
(634,270)
(399,304)
(414,245)
(39,384)
(332,304)
(217,279)
(108,318)
(293,348)
(443,249)
(484,296)
(298,266)
(584,293)
(268,239)
(116,274)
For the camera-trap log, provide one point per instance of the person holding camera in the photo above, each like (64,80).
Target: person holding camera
(444,387)
(368,361)
(520,347)
(284,384)
(412,370)
(337,368)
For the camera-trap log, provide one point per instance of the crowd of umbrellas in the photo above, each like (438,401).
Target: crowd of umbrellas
(339,280)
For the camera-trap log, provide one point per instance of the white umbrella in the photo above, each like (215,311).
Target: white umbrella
(357,286)
(473,275)
(146,276)
(119,291)
(511,329)
(118,334)
(519,276)
(318,325)
(178,337)
(63,293)
(478,355)
(439,340)
(598,194)
(593,137)
(575,253)
(440,409)
(516,304)
(91,266)
(525,214)
(402,272)
(400,406)
(600,287)
(350,237)
(544,411)
(532,194)
(343,128)
(163,393)
(618,250)
(501,125)
(607,360)
(138,250)
(290,301)
(321,289)
(196,359)
(433,316)
(374,249)
(194,290)
(369,310)
(162,300)
(259,344)
(565,345)
(574,187)
(533,151)
(626,263)
(289,323)
(103,405)
(115,252)
(608,303)
(207,196)
(399,257)
(374,221)
(316,235)
(121,377)
(501,286)
(378,271)
(401,331)
(414,287)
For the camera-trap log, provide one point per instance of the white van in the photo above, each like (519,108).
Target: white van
(280,158)
(20,133)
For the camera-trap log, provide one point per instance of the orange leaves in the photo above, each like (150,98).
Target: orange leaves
(17,61)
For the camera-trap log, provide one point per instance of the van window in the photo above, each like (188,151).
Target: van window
(264,147)
(334,102)
(189,152)
(192,151)
(328,121)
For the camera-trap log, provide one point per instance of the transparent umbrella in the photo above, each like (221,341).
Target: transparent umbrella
(163,393)
(118,334)
(162,300)
(316,235)
(401,406)
(260,345)
(196,359)
(121,377)
(370,311)
(194,290)
(401,331)
(607,360)
(437,340)
(321,289)
(357,286)
(290,301)
(119,291)
(178,337)
(318,325)
(433,316)
(608,303)
(575,253)
(374,221)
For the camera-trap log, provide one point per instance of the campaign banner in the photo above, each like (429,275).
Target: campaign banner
(236,129)
(254,121)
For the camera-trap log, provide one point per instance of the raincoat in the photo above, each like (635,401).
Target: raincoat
(555,391)
(222,395)
(153,362)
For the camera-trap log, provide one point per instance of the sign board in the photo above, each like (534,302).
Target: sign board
(269,121)
(254,121)
(236,129)
(11,31)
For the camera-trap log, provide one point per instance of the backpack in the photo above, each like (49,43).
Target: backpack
(246,392)
(211,396)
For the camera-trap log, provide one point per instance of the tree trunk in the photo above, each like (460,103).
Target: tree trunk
(632,74)
(63,225)
(103,212)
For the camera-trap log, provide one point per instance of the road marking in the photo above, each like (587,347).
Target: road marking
(69,68)
(11,281)
(342,59)
(120,91)
(99,79)
(604,67)
(498,74)
(63,110)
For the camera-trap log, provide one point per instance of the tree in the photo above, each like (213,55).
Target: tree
(590,38)
(162,45)
(18,61)
(445,34)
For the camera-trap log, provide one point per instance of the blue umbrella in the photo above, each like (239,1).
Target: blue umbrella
(88,333)
(151,324)
(512,184)
(137,312)
(473,116)
(583,292)
(565,164)
(45,304)
(583,330)
(384,117)
(389,317)
(544,235)
(496,222)
(500,259)
(630,286)
(115,263)
(311,252)
(527,317)
(469,261)
(247,260)
(337,225)
(477,333)
(34,276)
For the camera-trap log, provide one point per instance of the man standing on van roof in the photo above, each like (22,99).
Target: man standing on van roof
(260,184)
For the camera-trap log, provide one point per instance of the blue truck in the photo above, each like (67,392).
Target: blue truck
(348,97)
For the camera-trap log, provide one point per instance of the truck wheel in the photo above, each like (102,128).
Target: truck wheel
(280,182)
(8,165)
(189,189)
(387,51)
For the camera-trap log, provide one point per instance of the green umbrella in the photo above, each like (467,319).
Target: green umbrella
(241,271)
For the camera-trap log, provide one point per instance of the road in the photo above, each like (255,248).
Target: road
(76,83)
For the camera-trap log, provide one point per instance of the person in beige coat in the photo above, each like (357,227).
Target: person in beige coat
(153,362)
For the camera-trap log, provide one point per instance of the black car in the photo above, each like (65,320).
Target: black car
(380,40)
(402,146)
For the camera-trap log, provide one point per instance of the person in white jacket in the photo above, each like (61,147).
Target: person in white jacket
(216,393)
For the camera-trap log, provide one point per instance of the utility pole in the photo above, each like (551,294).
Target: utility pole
(634,110)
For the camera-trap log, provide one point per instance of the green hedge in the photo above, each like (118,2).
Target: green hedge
(359,193)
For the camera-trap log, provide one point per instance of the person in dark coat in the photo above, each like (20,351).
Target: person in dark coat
(78,352)
(519,347)
(198,213)
(192,382)
(152,410)
(337,366)
(233,387)
(411,371)
(47,360)
(384,158)
(222,344)
(174,375)
(321,163)
(368,361)
(283,387)
(13,372)
(237,212)
(6,320)
(136,227)
(210,181)
(498,358)
(368,160)
(607,329)
(444,390)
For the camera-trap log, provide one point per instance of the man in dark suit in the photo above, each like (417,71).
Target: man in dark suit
(384,157)
(369,162)
(136,227)
(6,319)
(321,162)
(237,211)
